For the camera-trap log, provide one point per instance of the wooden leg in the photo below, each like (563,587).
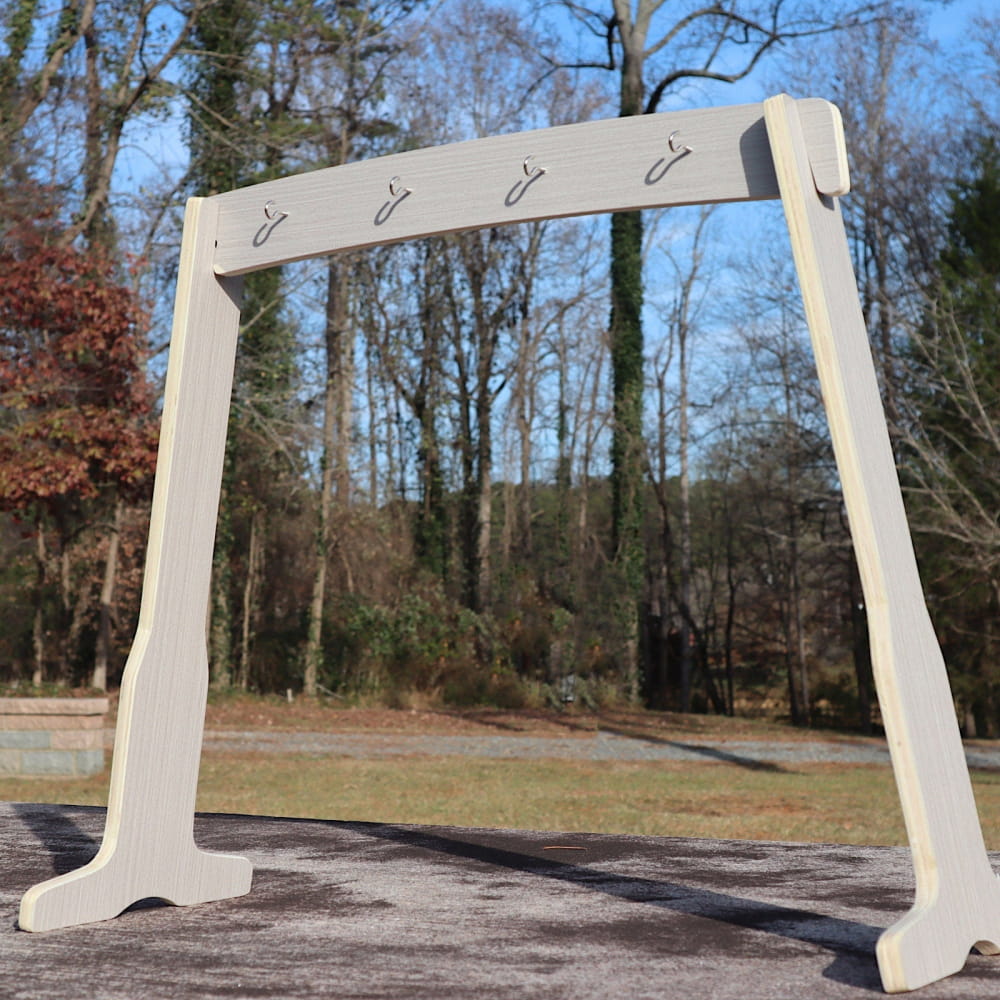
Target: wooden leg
(148,848)
(958,897)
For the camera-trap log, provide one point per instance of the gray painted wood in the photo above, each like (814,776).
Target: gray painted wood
(581,169)
(148,848)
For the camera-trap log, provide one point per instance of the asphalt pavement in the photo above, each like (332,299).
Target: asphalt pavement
(367,911)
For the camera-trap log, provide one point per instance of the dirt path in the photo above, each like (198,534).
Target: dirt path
(598,746)
(249,724)
(243,713)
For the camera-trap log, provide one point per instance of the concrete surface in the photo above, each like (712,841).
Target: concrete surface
(371,911)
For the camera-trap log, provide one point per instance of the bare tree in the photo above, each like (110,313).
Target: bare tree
(346,76)
(654,49)
(672,362)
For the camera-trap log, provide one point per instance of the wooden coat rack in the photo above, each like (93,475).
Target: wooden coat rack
(792,150)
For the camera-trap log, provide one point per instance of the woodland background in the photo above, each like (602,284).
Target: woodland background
(581,459)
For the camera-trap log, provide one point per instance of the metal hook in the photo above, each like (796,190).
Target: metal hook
(395,189)
(674,148)
(272,212)
(532,171)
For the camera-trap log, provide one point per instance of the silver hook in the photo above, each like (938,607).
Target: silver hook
(272,212)
(675,148)
(395,189)
(532,171)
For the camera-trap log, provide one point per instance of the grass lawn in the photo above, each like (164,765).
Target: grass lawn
(850,804)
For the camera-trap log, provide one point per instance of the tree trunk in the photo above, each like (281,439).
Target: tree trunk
(74,615)
(626,456)
(251,586)
(798,626)
(221,613)
(564,470)
(687,663)
(484,501)
(508,529)
(794,707)
(524,405)
(431,534)
(314,638)
(102,656)
(95,220)
(731,588)
(861,647)
(373,422)
(797,662)
(333,464)
(340,354)
(627,366)
(484,556)
(38,626)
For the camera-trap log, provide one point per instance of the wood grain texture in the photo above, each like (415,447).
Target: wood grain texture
(958,896)
(592,167)
(148,848)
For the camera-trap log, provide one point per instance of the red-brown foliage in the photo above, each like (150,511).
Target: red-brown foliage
(75,404)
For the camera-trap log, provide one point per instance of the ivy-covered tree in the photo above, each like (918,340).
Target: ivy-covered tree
(238,115)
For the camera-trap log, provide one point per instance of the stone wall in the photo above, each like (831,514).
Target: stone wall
(52,736)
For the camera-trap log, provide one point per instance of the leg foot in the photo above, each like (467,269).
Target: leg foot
(105,887)
(933,941)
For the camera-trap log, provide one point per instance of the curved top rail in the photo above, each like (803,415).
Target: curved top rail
(676,158)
